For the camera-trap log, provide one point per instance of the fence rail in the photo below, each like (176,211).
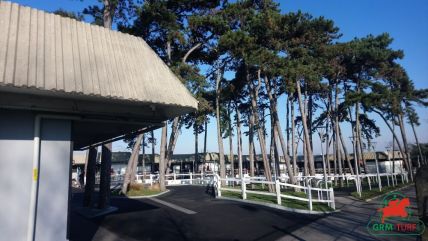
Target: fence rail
(322,195)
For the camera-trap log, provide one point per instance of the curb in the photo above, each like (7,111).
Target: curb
(378,196)
(271,205)
(149,196)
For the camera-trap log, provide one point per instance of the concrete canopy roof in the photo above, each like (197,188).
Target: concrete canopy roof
(54,64)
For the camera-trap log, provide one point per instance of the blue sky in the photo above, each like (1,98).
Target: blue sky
(405,21)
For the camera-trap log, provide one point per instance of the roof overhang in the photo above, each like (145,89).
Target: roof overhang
(113,82)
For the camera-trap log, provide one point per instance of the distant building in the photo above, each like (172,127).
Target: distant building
(186,162)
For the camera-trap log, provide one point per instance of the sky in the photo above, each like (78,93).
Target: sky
(405,20)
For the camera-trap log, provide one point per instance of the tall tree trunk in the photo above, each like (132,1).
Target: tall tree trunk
(173,137)
(205,138)
(196,148)
(251,152)
(405,143)
(219,137)
(260,132)
(309,119)
(162,161)
(421,157)
(400,148)
(239,139)
(143,160)
(152,168)
(327,130)
(361,148)
(231,155)
(108,13)
(277,131)
(293,136)
(287,121)
(336,131)
(131,164)
(345,150)
(305,131)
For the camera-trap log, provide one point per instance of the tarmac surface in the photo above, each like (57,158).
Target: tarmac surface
(192,213)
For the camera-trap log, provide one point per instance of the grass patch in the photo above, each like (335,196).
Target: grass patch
(142,192)
(286,202)
(366,194)
(138,190)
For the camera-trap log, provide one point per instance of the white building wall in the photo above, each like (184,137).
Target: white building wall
(16,156)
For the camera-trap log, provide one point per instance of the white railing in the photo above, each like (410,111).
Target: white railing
(322,195)
(170,179)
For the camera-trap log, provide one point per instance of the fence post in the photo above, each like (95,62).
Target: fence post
(333,205)
(368,180)
(191,179)
(310,197)
(278,192)
(243,188)
(387,178)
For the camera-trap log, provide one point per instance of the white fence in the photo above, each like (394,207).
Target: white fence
(170,179)
(321,195)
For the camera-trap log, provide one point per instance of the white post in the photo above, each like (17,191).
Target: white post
(243,188)
(310,197)
(191,178)
(387,178)
(370,186)
(278,192)
(333,205)
(174,176)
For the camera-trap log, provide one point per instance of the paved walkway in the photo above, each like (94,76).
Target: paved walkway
(196,215)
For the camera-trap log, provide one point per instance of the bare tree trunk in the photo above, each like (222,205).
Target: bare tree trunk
(239,138)
(278,132)
(327,122)
(196,148)
(336,132)
(219,137)
(162,161)
(306,131)
(260,131)
(205,137)
(152,168)
(231,156)
(173,137)
(400,148)
(417,142)
(293,136)
(405,143)
(143,160)
(131,164)
(251,152)
(345,150)
(287,121)
(108,13)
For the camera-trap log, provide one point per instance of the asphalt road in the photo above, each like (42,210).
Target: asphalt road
(190,213)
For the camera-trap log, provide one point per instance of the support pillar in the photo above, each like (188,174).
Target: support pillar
(90,178)
(104,197)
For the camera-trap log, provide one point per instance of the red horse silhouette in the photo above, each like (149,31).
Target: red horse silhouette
(395,208)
